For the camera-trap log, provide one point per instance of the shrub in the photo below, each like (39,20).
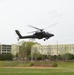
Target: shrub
(6,56)
(31,64)
(54,65)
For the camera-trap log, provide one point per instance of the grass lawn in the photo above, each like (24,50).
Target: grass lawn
(36,71)
(20,68)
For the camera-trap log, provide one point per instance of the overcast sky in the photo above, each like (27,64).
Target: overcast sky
(18,14)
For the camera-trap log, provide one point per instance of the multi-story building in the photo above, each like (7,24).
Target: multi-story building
(62,49)
(14,49)
(43,49)
(5,49)
(54,49)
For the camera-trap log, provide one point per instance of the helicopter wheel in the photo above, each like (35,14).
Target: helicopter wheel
(44,39)
(18,38)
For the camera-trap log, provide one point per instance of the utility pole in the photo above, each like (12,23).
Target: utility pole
(57,47)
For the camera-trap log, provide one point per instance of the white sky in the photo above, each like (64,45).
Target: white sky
(18,14)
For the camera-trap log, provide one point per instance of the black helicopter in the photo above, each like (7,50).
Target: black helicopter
(40,34)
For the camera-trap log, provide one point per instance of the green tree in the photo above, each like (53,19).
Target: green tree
(52,57)
(6,56)
(25,49)
(59,57)
(37,55)
(67,56)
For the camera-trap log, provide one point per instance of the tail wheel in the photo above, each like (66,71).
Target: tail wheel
(18,38)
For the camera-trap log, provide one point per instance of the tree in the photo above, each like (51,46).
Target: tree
(6,56)
(52,57)
(59,57)
(21,53)
(37,55)
(67,56)
(25,49)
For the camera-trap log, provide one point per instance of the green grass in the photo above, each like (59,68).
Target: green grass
(19,68)
(27,63)
(36,71)
(66,64)
(13,63)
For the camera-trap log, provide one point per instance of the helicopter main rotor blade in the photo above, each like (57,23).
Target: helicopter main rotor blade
(51,25)
(43,28)
(32,32)
(35,27)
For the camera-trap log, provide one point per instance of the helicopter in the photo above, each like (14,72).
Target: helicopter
(39,34)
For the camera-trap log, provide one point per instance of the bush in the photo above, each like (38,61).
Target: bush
(31,64)
(54,65)
(6,57)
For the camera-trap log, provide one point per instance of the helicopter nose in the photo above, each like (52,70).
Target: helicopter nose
(52,34)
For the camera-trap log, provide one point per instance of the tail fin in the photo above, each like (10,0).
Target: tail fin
(18,33)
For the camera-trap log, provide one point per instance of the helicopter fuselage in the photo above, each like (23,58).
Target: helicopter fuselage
(41,35)
(37,35)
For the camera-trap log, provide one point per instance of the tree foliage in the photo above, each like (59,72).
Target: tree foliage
(65,57)
(6,56)
(25,52)
(68,56)
(25,49)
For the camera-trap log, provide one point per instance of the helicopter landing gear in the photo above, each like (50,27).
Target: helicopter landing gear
(44,39)
(18,38)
